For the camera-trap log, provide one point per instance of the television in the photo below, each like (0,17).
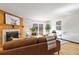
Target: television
(10,19)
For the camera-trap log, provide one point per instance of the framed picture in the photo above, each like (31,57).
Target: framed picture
(58,23)
(10,19)
(58,27)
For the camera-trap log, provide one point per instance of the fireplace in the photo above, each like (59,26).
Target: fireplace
(7,34)
(13,34)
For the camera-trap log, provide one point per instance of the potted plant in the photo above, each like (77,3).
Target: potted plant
(47,27)
(33,30)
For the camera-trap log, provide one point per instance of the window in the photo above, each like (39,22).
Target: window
(36,26)
(39,28)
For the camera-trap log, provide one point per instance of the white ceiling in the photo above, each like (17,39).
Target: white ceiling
(39,11)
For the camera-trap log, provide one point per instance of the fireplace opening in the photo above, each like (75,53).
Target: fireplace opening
(9,35)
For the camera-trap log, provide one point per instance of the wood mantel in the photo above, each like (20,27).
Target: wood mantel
(3,25)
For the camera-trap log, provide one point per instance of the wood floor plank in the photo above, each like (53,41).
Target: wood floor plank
(69,49)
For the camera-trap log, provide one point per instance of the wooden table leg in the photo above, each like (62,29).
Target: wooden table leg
(58,52)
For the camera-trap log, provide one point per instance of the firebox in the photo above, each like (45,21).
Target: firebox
(13,34)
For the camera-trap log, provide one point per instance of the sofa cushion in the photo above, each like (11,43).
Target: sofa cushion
(42,39)
(19,43)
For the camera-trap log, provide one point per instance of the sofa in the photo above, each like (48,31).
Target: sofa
(29,46)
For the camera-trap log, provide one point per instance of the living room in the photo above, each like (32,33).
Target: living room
(40,21)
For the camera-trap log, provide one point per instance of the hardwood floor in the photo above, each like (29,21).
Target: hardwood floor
(69,48)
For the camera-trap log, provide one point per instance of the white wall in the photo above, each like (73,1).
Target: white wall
(27,25)
(70,26)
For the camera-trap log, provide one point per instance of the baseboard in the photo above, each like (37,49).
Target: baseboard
(70,41)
